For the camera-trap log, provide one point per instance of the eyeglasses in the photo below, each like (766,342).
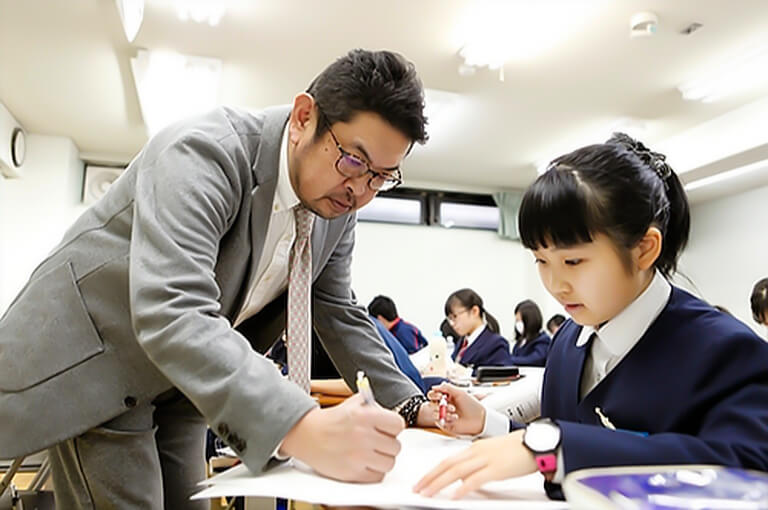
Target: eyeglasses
(352,166)
(451,317)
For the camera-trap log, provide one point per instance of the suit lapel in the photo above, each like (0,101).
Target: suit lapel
(265,169)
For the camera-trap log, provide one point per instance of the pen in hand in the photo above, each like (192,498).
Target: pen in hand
(364,387)
(442,410)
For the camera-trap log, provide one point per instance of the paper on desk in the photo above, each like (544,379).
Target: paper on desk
(421,451)
(520,400)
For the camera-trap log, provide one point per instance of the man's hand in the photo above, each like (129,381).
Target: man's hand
(351,442)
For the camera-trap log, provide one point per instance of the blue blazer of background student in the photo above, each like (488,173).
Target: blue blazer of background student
(487,349)
(531,353)
(410,336)
(531,342)
(402,360)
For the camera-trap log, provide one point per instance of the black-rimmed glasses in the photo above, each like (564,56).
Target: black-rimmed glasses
(352,166)
(451,317)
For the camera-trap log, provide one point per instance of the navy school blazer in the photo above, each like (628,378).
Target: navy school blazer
(488,349)
(408,335)
(402,360)
(696,383)
(533,353)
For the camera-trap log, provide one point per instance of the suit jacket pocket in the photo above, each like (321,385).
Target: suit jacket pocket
(46,331)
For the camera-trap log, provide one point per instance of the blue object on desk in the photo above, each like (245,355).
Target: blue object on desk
(667,488)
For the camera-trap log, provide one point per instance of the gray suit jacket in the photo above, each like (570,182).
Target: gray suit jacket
(140,295)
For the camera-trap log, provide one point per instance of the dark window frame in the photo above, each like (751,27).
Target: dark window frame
(431,201)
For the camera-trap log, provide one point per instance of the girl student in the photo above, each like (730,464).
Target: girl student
(643,372)
(481,343)
(531,342)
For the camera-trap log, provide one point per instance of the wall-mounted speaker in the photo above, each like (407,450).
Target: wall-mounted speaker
(97,181)
(12,144)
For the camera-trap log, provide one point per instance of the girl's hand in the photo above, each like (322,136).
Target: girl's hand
(486,460)
(466,416)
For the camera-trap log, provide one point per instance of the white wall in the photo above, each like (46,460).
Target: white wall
(419,267)
(36,209)
(728,250)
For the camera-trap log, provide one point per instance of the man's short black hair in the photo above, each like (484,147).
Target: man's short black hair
(384,306)
(555,321)
(382,82)
(759,301)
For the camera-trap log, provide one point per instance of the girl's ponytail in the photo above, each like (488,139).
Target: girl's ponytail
(678,226)
(493,324)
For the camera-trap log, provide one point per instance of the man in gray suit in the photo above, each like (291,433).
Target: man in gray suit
(149,318)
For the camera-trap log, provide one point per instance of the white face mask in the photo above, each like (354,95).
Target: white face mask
(519,327)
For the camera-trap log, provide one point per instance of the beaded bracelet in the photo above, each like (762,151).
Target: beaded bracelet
(409,410)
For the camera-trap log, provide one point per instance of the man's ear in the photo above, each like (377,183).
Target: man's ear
(648,249)
(303,117)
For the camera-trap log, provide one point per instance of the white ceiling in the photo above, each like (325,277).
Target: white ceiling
(65,70)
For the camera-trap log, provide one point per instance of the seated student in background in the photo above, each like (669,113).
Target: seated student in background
(644,373)
(531,342)
(759,302)
(383,309)
(403,362)
(554,323)
(482,344)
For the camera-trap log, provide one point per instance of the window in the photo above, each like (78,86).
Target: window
(392,210)
(485,217)
(427,207)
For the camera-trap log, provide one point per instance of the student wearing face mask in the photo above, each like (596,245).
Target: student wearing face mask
(531,342)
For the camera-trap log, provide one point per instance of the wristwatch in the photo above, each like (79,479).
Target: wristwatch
(542,437)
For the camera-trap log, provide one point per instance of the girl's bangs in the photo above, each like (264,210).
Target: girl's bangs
(555,211)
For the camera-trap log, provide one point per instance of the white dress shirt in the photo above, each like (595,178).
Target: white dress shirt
(615,338)
(612,343)
(473,336)
(271,276)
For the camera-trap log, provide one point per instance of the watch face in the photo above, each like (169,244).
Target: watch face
(542,437)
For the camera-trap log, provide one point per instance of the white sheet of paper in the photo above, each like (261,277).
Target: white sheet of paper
(421,451)
(520,400)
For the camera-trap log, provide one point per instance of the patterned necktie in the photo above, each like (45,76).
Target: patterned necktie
(299,328)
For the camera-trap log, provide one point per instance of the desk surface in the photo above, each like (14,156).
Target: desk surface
(420,451)
(328,400)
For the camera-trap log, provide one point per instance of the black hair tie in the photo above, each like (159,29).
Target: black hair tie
(655,160)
